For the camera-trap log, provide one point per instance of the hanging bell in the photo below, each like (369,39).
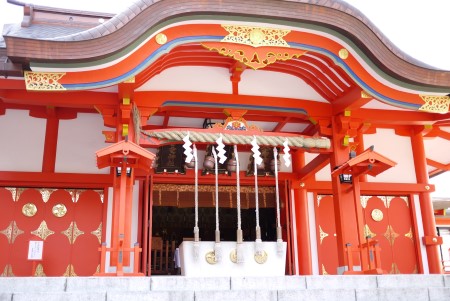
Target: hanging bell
(231,165)
(261,166)
(190,164)
(272,165)
(209,162)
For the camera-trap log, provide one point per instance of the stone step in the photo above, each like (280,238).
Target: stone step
(285,288)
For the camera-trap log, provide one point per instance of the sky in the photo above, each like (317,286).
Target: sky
(421,28)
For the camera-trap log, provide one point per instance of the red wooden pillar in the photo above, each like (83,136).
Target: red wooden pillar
(302,219)
(430,239)
(343,198)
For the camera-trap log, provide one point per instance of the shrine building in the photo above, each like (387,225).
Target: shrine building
(217,138)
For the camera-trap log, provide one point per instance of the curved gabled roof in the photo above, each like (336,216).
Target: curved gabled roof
(145,17)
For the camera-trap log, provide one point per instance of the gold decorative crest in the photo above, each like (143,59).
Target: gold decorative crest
(7,271)
(322,234)
(98,233)
(59,210)
(39,271)
(368,232)
(391,235)
(72,232)
(11,232)
(70,271)
(435,104)
(410,235)
(377,215)
(29,209)
(394,269)
(324,272)
(15,192)
(75,194)
(46,193)
(43,231)
(256,47)
(255,36)
(261,257)
(43,81)
(364,199)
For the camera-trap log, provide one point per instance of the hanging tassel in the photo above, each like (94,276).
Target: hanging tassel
(196,243)
(218,247)
(280,244)
(239,247)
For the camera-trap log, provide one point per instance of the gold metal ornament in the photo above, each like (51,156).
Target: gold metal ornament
(161,39)
(233,256)
(435,103)
(43,81)
(377,215)
(256,36)
(29,209)
(343,53)
(43,231)
(261,257)
(59,210)
(211,257)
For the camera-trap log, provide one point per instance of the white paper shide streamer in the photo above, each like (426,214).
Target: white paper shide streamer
(220,150)
(287,155)
(187,148)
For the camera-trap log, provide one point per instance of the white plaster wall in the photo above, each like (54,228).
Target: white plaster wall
(134,227)
(190,78)
(396,148)
(270,83)
(22,141)
(322,175)
(78,140)
(312,234)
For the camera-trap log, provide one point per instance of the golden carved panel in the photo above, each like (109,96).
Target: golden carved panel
(255,36)
(43,81)
(435,103)
(364,199)
(43,231)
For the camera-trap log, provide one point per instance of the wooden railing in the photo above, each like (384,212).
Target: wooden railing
(369,258)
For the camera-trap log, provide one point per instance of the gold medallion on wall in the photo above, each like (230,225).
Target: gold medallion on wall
(377,215)
(261,257)
(59,210)
(29,209)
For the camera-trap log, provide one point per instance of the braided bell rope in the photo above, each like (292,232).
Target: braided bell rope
(200,137)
